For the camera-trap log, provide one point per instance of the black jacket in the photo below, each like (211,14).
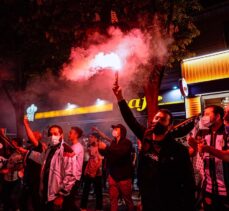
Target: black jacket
(166,178)
(119,159)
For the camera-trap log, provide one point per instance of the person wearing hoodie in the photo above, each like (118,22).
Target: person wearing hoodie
(119,164)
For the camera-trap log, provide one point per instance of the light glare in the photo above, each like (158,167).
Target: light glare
(106,61)
(70,106)
(100,102)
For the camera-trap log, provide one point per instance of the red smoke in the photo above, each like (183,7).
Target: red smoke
(132,48)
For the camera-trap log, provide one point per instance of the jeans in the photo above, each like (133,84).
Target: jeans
(97,182)
(11,194)
(124,187)
(30,198)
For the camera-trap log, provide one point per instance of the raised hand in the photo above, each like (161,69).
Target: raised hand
(117,92)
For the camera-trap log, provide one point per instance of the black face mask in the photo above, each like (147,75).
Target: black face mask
(159,129)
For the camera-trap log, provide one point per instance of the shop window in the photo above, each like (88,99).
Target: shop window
(219,100)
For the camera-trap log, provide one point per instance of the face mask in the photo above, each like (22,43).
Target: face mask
(54,140)
(159,129)
(205,121)
(227,129)
(114,133)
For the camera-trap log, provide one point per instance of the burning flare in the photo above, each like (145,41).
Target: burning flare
(118,52)
(107,61)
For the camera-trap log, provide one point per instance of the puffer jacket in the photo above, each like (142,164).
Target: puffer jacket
(62,170)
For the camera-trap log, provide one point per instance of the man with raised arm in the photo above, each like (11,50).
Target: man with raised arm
(165,171)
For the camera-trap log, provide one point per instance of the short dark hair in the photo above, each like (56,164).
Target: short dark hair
(166,111)
(96,135)
(217,110)
(57,126)
(78,130)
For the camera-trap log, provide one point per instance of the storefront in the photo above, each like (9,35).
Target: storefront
(207,79)
(103,113)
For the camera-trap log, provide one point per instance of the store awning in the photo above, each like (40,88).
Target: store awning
(206,68)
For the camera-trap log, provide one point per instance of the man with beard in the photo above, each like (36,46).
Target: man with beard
(165,171)
(214,148)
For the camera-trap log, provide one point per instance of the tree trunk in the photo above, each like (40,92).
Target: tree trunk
(19,114)
(151,90)
(19,106)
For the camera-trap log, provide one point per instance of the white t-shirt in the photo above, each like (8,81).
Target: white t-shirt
(79,151)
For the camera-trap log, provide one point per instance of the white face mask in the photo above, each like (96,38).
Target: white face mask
(205,122)
(114,133)
(54,140)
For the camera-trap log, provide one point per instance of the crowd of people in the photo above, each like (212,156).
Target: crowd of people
(47,175)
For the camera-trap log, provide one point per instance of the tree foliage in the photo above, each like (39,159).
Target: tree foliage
(37,35)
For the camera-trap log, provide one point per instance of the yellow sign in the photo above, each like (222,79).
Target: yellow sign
(137,103)
(140,103)
(75,111)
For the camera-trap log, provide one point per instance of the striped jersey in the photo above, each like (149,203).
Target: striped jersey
(213,166)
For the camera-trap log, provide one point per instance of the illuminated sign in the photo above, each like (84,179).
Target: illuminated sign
(75,111)
(30,111)
(192,106)
(140,103)
(171,97)
(206,68)
(183,87)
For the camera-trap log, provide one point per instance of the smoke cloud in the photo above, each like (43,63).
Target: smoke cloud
(133,48)
(83,80)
